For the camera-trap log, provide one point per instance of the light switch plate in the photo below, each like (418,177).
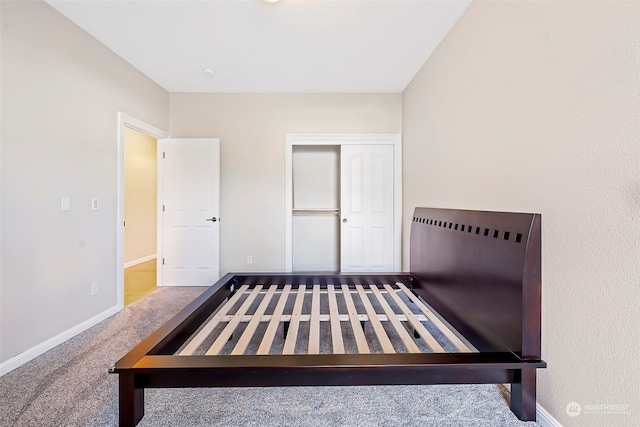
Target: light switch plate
(95,204)
(65,204)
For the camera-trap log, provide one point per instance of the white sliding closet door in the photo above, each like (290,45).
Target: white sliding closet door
(367,208)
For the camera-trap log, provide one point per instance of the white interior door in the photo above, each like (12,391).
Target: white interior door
(190,214)
(367,208)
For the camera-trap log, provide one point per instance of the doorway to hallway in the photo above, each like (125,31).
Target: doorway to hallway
(140,214)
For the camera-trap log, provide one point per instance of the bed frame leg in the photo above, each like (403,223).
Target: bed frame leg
(523,395)
(131,401)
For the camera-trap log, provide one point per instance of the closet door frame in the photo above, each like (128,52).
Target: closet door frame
(338,140)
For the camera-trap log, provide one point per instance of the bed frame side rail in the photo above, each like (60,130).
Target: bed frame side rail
(165,340)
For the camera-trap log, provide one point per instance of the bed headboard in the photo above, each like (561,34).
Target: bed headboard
(482,271)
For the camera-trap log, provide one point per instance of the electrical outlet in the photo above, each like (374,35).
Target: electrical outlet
(95,288)
(249,259)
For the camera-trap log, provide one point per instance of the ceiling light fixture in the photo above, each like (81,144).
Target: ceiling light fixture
(209,72)
(270,1)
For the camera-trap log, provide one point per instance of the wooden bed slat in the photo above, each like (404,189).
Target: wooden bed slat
(210,326)
(226,333)
(453,338)
(323,317)
(409,343)
(314,322)
(419,327)
(361,340)
(334,317)
(387,347)
(270,333)
(292,334)
(244,340)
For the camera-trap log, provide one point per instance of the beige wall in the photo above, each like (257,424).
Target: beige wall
(252,130)
(140,195)
(534,106)
(61,91)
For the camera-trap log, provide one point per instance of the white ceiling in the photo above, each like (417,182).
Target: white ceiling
(294,46)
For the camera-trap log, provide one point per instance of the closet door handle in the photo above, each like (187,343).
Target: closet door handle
(212,219)
(344,220)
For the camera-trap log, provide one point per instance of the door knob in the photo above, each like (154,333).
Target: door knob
(212,219)
(344,220)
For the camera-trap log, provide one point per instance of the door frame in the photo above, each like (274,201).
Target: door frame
(124,120)
(394,139)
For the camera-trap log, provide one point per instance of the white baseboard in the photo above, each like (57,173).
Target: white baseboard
(140,260)
(32,353)
(545,418)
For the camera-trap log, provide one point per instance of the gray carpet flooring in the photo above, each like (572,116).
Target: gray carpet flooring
(70,386)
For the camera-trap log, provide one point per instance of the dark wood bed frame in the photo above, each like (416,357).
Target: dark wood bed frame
(481,271)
